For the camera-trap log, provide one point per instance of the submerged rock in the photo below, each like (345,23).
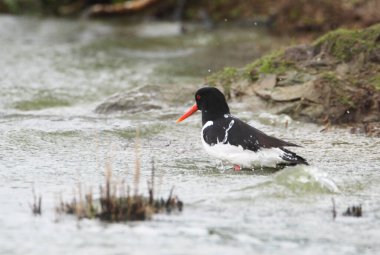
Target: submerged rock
(335,79)
(136,100)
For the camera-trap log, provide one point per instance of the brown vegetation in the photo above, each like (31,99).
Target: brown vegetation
(36,207)
(117,204)
(354,211)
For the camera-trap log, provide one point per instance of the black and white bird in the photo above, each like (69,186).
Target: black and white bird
(230,139)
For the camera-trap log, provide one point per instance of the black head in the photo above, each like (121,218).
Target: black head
(212,103)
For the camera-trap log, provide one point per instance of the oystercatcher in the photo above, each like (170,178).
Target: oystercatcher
(230,139)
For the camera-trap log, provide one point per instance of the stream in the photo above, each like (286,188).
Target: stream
(53,75)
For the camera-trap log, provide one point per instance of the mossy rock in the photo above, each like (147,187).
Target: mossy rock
(345,45)
(273,63)
(337,46)
(335,78)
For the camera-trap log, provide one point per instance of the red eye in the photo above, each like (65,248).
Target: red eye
(198,97)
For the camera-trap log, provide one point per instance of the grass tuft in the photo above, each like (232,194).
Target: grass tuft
(116,203)
(37,203)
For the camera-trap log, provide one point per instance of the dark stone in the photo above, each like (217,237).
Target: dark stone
(374,55)
(299,53)
(133,101)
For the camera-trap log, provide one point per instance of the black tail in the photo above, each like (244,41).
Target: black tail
(292,158)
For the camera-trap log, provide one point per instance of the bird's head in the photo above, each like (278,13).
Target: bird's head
(211,102)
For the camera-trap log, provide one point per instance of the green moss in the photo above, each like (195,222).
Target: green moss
(346,100)
(224,78)
(330,77)
(345,44)
(271,63)
(375,82)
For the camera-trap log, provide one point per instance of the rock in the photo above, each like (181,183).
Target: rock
(266,88)
(265,85)
(342,69)
(319,61)
(294,77)
(274,119)
(132,101)
(374,55)
(295,92)
(299,53)
(241,88)
(312,111)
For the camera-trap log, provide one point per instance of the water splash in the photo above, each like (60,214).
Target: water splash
(305,179)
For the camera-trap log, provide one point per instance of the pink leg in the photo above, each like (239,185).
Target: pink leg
(237,168)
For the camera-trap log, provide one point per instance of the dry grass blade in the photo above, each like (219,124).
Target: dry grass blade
(37,203)
(137,163)
(117,205)
(334,208)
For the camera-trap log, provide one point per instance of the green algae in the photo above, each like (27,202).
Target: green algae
(40,103)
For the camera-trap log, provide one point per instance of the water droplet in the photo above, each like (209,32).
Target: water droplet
(255,23)
(225,20)
(209,70)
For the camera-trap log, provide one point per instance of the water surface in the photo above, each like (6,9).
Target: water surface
(53,74)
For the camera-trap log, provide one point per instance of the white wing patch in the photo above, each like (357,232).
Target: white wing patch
(206,125)
(228,129)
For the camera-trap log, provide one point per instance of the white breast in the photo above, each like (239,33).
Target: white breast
(237,155)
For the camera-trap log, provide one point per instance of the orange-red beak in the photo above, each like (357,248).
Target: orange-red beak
(193,109)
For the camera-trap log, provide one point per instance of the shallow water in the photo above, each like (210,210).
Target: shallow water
(53,74)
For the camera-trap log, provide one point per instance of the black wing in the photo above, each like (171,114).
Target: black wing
(292,158)
(235,132)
